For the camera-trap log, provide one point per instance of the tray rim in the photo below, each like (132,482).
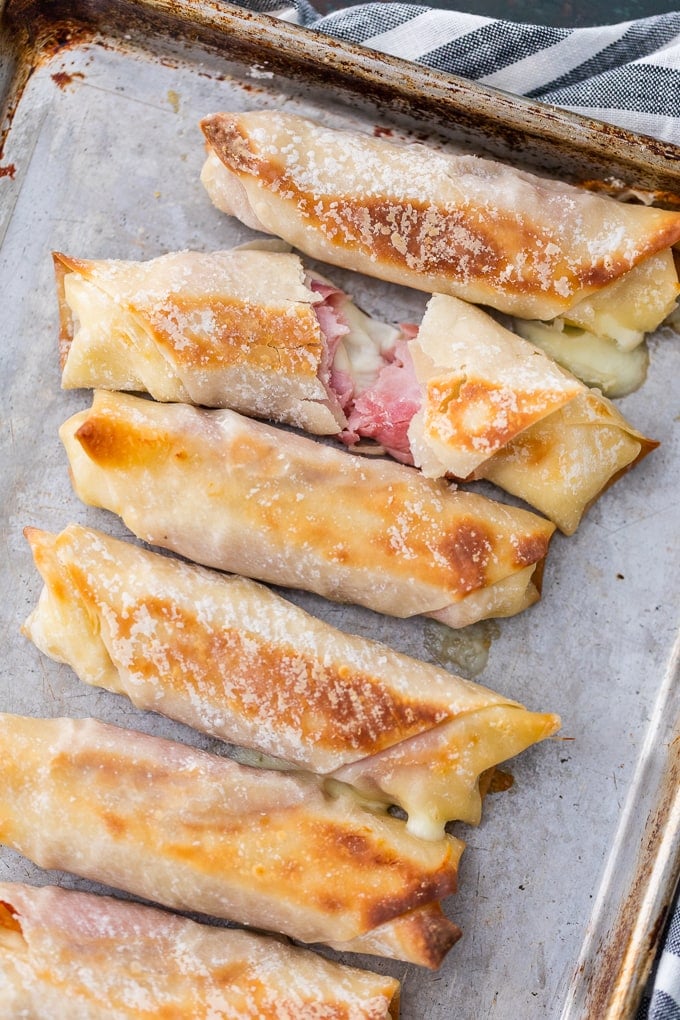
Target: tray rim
(603,155)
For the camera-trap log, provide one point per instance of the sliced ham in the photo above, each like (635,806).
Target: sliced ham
(333,326)
(383,409)
(383,412)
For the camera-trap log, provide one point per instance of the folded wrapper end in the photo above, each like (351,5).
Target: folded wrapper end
(62,266)
(563,464)
(423,937)
(439,776)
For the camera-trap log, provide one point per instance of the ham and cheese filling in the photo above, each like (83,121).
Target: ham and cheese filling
(369,370)
(464,397)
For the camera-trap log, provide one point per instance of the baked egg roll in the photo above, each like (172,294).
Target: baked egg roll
(229,657)
(79,956)
(239,495)
(457,224)
(566,461)
(268,849)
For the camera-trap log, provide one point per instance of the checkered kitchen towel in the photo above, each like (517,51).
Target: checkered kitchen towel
(627,74)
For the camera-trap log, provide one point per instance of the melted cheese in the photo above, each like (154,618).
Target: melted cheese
(598,361)
(361,352)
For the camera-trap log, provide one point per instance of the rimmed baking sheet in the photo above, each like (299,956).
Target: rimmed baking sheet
(565,885)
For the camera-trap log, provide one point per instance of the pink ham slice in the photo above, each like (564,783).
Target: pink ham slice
(383,411)
(333,326)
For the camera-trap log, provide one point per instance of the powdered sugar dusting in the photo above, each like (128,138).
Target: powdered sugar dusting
(455,224)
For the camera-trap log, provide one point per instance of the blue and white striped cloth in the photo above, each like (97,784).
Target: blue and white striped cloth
(627,74)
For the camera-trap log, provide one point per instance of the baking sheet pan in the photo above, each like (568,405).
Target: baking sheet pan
(565,885)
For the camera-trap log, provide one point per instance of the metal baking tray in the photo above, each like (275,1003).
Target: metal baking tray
(566,884)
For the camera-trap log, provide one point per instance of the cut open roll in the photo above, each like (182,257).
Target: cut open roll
(459,395)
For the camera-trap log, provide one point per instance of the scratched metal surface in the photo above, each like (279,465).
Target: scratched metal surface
(563,886)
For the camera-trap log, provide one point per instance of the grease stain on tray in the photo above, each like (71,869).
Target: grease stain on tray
(466,650)
(174,99)
(63,79)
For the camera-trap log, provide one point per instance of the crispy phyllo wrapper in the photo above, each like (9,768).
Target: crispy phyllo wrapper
(496,407)
(228,657)
(481,386)
(565,462)
(239,495)
(79,956)
(190,830)
(232,329)
(444,223)
(250,329)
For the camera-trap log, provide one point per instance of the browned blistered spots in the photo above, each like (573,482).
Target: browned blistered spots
(468,548)
(331,904)
(116,442)
(433,933)
(230,973)
(43,547)
(469,243)
(435,887)
(286,856)
(531,549)
(261,337)
(533,447)
(465,244)
(401,882)
(103,767)
(8,917)
(358,846)
(238,671)
(224,133)
(473,411)
(115,825)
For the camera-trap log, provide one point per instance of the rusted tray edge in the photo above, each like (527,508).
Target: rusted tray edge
(613,991)
(529,132)
(617,958)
